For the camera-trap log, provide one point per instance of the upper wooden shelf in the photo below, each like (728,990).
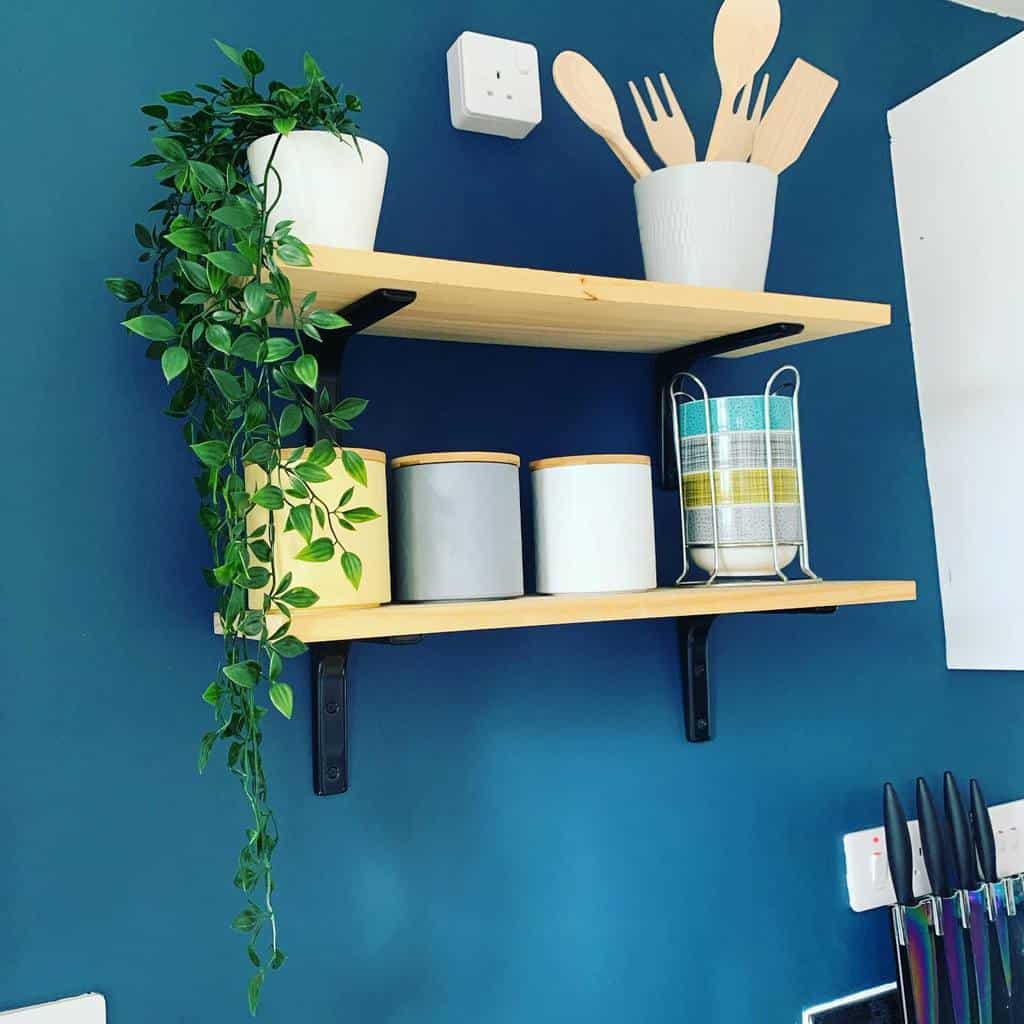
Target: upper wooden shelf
(317,625)
(516,306)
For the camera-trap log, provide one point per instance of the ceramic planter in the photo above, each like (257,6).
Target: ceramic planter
(329,187)
(458,532)
(369,540)
(594,524)
(707,223)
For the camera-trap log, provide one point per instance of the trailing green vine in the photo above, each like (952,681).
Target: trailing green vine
(215,289)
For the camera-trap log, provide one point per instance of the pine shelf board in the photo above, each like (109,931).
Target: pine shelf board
(477,302)
(319,625)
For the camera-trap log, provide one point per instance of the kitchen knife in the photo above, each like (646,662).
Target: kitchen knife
(911,920)
(953,938)
(999,903)
(969,893)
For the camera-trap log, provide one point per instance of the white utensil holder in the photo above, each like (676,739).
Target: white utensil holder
(707,223)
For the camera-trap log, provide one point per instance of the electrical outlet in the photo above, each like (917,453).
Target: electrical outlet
(869,884)
(494,85)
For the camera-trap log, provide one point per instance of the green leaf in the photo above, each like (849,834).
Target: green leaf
(301,521)
(143,236)
(207,175)
(257,578)
(277,960)
(156,328)
(254,957)
(246,921)
(231,53)
(205,746)
(322,453)
(290,420)
(306,370)
(247,346)
(354,465)
(195,274)
(253,992)
(252,62)
(155,110)
(253,110)
(244,673)
(283,125)
(282,698)
(361,515)
(311,473)
(278,349)
(230,262)
(293,255)
(300,597)
(170,149)
(237,217)
(212,694)
(350,408)
(274,666)
(227,383)
(321,550)
(124,288)
(346,497)
(211,453)
(352,567)
(218,337)
(178,96)
(257,300)
(327,320)
(148,160)
(269,497)
(290,647)
(174,362)
(190,240)
(311,69)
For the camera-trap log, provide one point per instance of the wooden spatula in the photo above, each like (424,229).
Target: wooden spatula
(745,34)
(793,116)
(586,91)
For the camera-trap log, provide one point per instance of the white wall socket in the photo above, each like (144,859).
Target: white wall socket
(494,85)
(867,868)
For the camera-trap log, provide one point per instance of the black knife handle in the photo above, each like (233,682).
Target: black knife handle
(960,830)
(897,846)
(984,838)
(931,840)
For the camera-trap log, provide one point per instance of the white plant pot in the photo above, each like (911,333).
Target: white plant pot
(332,190)
(707,224)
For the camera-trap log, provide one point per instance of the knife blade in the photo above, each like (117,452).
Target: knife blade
(971,895)
(952,936)
(998,905)
(911,920)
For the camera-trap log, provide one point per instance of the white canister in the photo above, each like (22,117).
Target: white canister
(707,223)
(332,188)
(594,524)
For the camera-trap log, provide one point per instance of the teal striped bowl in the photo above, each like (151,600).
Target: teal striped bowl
(737,412)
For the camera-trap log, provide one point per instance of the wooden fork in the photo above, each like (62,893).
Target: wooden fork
(669,134)
(733,138)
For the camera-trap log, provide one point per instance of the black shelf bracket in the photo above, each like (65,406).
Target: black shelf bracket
(681,360)
(330,711)
(693,655)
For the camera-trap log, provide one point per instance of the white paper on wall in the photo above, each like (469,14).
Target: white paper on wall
(88,1009)
(958,164)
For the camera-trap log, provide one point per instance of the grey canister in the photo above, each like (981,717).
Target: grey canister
(457,526)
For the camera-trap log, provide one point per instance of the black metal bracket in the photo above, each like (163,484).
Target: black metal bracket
(680,360)
(693,655)
(330,712)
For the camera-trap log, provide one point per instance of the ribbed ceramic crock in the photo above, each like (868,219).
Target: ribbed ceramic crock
(458,529)
(594,524)
(369,540)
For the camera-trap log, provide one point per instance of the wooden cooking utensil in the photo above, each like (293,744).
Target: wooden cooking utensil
(736,131)
(669,133)
(585,90)
(793,116)
(745,34)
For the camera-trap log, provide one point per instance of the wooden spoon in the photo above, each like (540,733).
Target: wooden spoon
(745,34)
(585,90)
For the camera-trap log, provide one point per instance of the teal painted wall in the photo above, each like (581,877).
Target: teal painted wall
(527,837)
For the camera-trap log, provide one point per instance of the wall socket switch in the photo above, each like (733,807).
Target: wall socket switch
(869,884)
(494,85)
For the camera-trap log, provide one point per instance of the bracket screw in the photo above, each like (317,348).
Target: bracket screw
(333,773)
(332,708)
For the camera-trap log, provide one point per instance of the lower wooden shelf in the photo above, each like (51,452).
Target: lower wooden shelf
(322,625)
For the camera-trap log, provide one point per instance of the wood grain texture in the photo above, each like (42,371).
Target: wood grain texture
(315,625)
(433,458)
(590,460)
(479,302)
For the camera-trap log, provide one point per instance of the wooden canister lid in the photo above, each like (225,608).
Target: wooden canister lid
(590,460)
(368,454)
(432,458)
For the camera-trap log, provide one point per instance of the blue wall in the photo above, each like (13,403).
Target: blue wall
(527,837)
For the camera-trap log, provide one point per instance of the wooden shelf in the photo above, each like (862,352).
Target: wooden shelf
(477,302)
(319,625)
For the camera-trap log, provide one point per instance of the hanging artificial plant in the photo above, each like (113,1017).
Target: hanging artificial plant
(215,289)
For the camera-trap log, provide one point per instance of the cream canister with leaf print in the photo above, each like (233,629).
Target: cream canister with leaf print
(312,534)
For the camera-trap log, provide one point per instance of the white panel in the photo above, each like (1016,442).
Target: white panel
(957,151)
(868,883)
(90,1009)
(1011,8)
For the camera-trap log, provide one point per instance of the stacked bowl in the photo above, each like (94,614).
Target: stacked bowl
(726,440)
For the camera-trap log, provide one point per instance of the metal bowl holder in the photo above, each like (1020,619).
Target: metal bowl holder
(678,398)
